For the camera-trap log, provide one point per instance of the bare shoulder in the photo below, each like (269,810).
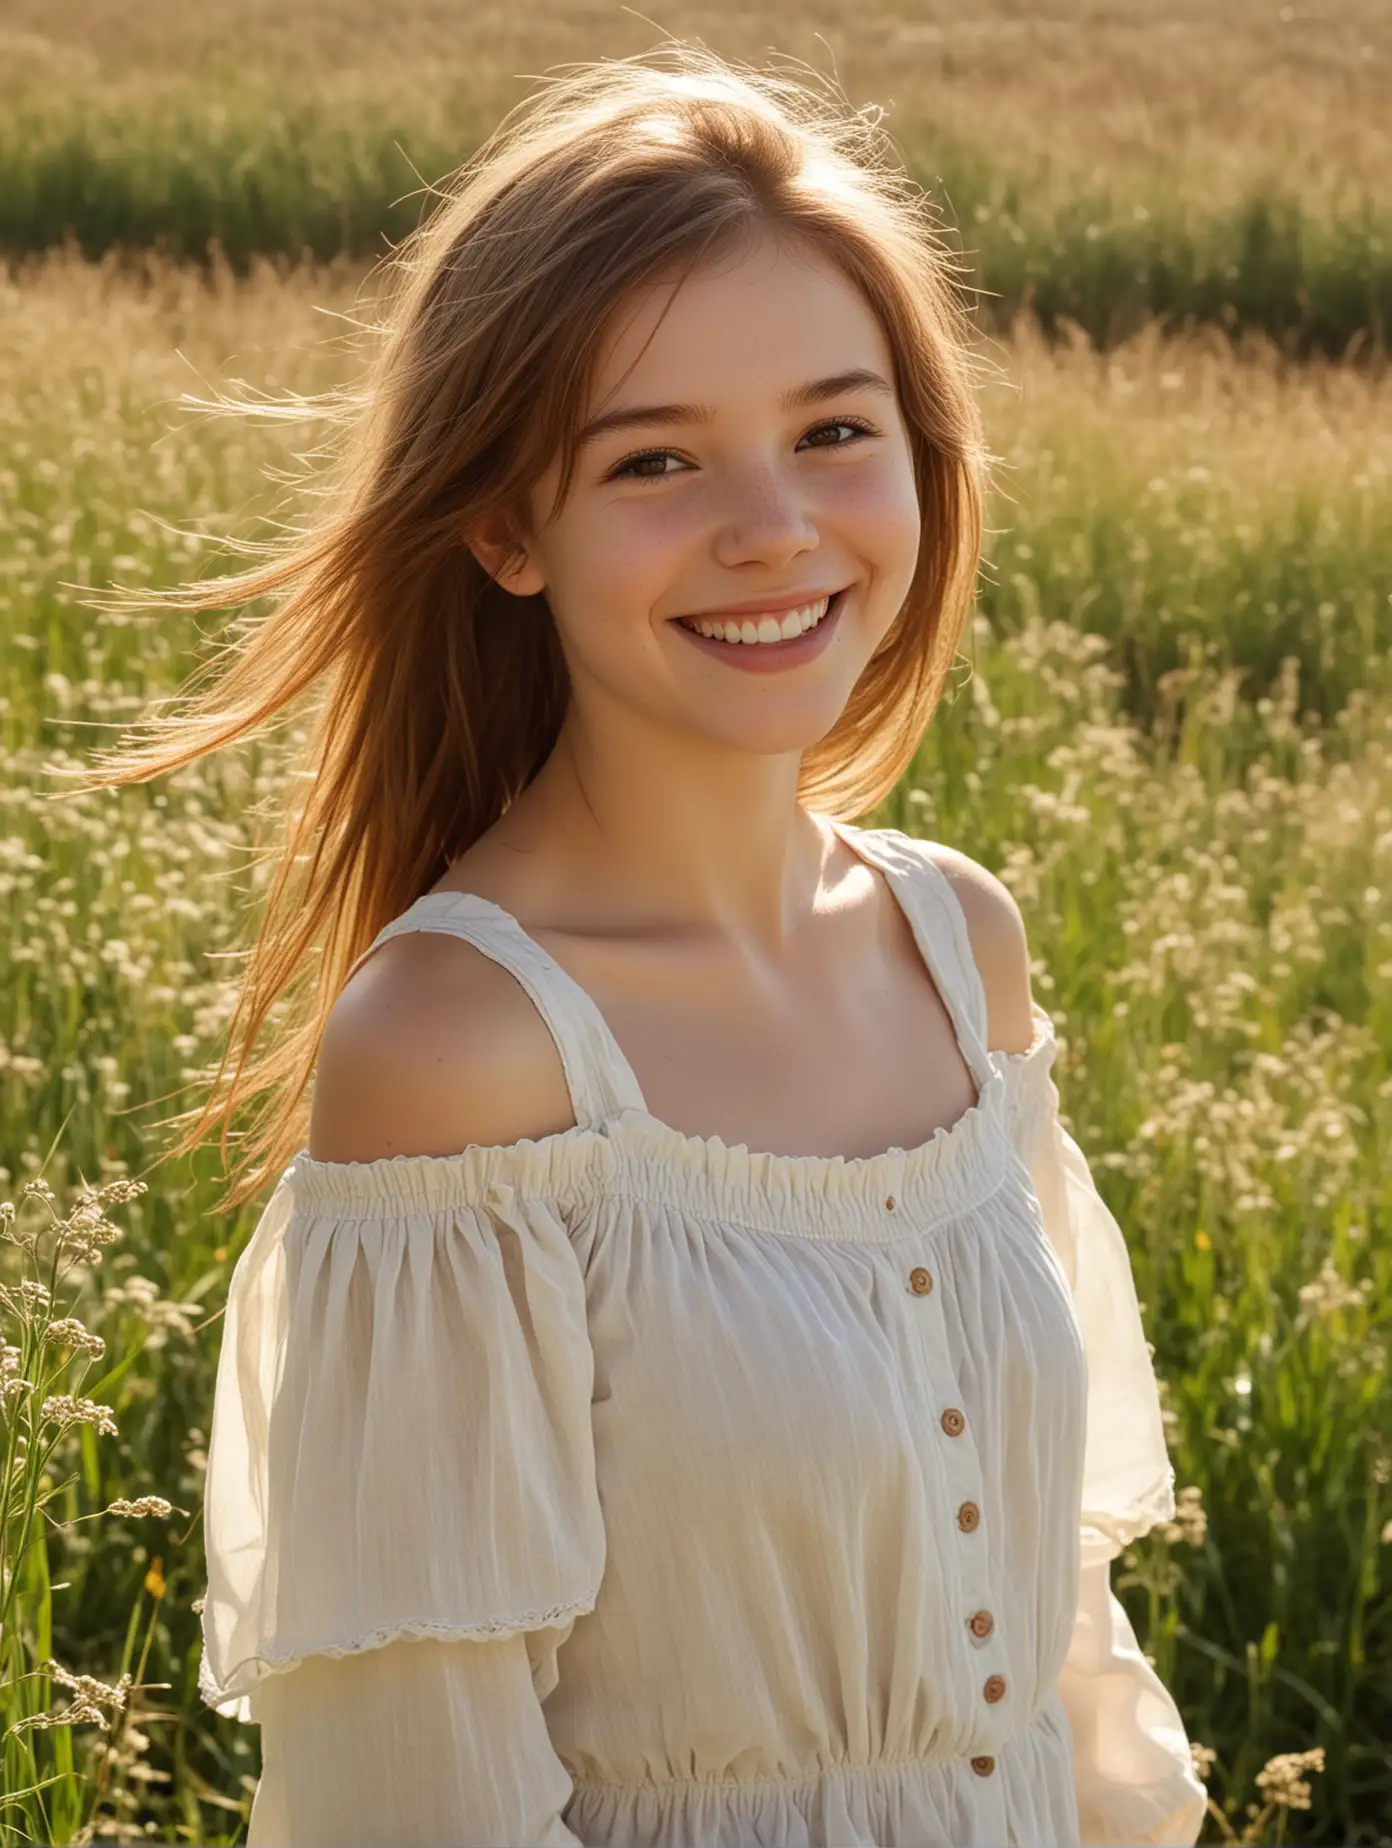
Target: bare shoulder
(432,1046)
(1000,946)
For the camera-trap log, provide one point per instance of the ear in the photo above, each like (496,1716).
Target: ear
(505,557)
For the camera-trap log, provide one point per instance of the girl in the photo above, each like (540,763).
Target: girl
(689,1389)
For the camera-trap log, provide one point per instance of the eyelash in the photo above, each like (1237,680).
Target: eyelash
(833,423)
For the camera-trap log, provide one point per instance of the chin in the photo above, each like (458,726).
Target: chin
(772,734)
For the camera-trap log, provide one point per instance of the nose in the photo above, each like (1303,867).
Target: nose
(765,519)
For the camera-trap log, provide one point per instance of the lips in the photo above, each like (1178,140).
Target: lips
(780,653)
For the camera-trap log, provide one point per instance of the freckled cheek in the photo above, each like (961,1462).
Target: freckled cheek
(639,554)
(877,518)
(613,570)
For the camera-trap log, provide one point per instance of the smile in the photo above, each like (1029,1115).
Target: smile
(759,631)
(766,641)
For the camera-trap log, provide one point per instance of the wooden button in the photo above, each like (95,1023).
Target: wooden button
(984,1765)
(889,1204)
(969,1517)
(994,1689)
(953,1422)
(920,1281)
(981,1623)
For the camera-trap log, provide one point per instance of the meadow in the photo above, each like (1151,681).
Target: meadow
(1170,733)
(1107,167)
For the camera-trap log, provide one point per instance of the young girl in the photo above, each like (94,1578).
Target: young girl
(689,1389)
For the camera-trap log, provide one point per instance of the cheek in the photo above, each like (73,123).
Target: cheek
(879,515)
(607,574)
(627,558)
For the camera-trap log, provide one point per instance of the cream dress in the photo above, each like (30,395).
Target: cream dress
(625,1487)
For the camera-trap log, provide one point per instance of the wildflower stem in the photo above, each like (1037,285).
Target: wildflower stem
(36,1459)
(1225,1828)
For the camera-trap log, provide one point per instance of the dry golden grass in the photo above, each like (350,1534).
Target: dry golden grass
(1234,418)
(1258,426)
(1225,92)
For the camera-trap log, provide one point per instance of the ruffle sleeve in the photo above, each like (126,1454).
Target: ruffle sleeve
(401,1451)
(1133,1768)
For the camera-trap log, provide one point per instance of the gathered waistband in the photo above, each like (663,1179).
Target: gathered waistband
(1050,1716)
(1021,1792)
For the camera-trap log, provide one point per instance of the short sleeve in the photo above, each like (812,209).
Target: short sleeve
(1134,1773)
(401,1449)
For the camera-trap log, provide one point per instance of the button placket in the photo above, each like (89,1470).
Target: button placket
(951,1428)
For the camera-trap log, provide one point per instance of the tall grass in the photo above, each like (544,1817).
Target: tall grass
(52,1789)
(1183,500)
(1220,97)
(257,168)
(1195,813)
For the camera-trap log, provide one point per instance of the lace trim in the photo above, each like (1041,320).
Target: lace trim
(1119,1530)
(254,1668)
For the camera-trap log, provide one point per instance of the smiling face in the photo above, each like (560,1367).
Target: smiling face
(743,525)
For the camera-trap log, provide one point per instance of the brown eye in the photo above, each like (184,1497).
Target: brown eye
(638,468)
(831,430)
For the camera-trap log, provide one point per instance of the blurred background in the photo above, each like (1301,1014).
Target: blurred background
(1171,735)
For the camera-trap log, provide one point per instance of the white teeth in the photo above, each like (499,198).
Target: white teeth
(767,629)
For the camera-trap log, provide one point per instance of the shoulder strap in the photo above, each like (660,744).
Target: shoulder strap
(598,1076)
(940,929)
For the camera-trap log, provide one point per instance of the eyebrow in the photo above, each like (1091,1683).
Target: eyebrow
(801,397)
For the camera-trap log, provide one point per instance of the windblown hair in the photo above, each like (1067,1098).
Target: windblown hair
(441,695)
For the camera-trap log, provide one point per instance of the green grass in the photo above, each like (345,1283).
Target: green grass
(261,170)
(1194,811)
(1248,601)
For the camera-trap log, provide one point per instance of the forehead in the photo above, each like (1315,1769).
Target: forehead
(766,316)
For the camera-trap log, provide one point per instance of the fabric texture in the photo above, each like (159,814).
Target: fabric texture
(627,1487)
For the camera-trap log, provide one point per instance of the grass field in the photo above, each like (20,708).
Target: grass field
(1177,757)
(1171,735)
(1106,167)
(1225,95)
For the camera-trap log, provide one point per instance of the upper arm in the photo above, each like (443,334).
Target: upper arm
(432,1046)
(1000,947)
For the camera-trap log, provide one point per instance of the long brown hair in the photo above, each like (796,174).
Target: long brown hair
(440,695)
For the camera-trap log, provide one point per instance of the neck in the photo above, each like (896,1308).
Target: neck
(675,832)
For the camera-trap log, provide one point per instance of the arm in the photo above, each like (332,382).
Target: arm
(415,1742)
(396,1669)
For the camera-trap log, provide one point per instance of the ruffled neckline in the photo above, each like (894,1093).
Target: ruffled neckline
(632,1154)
